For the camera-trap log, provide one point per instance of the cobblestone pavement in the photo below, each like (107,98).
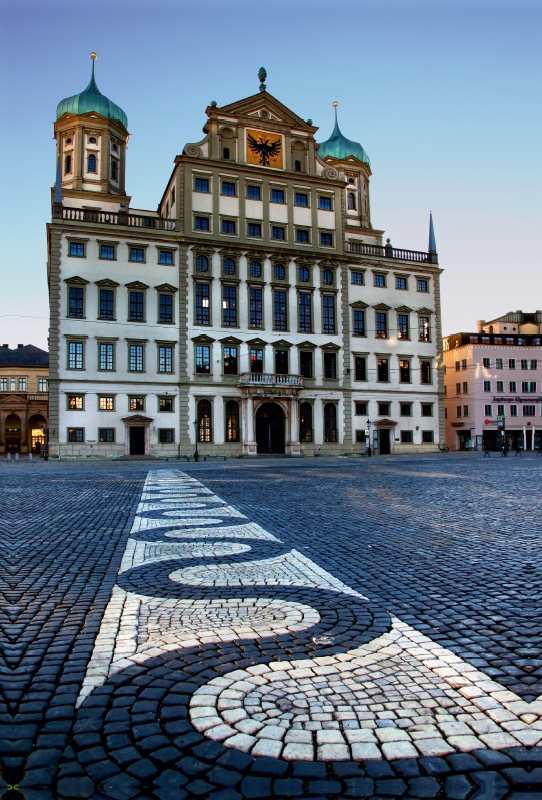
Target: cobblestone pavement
(316,628)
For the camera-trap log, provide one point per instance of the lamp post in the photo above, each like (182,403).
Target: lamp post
(196,431)
(368,437)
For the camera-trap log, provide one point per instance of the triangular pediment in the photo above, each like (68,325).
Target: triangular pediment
(382,307)
(306,346)
(107,282)
(76,280)
(166,287)
(137,285)
(16,400)
(253,106)
(425,311)
(230,340)
(359,304)
(256,342)
(403,309)
(202,339)
(330,346)
(282,343)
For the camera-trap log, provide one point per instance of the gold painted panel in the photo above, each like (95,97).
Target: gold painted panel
(264,149)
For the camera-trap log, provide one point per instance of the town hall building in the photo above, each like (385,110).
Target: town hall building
(255,311)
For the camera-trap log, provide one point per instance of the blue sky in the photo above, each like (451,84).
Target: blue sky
(444,96)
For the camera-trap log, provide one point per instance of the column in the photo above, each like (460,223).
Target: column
(295,447)
(250,447)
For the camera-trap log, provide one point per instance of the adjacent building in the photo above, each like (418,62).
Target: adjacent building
(257,310)
(493,384)
(24,398)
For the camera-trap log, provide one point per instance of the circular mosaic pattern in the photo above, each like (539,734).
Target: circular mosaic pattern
(195,549)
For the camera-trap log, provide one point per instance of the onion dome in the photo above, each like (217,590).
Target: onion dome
(339,147)
(91,99)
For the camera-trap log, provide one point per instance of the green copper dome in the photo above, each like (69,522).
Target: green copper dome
(91,99)
(338,146)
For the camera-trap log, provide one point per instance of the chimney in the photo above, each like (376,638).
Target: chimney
(480,325)
(20,345)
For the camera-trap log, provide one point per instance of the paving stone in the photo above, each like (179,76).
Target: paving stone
(457,787)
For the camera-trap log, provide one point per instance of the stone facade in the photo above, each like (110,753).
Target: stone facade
(24,399)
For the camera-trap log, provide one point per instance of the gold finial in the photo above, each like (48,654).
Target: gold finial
(93,56)
(335,104)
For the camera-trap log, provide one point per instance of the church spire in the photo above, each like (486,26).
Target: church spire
(432,241)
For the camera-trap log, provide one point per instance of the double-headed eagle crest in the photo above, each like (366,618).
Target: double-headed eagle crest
(263,148)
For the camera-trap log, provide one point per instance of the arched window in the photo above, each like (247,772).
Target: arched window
(330,423)
(205,430)
(279,272)
(91,163)
(68,164)
(305,422)
(327,276)
(114,170)
(255,269)
(351,201)
(304,274)
(92,140)
(232,421)
(229,266)
(202,263)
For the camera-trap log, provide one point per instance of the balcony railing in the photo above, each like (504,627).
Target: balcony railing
(40,396)
(387,251)
(115,218)
(269,379)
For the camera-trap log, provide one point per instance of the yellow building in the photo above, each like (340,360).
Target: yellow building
(24,398)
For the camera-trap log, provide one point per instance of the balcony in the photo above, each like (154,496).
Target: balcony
(387,251)
(114,218)
(265,380)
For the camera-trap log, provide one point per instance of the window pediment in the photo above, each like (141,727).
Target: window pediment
(136,285)
(403,309)
(230,340)
(382,307)
(330,346)
(256,342)
(306,346)
(166,287)
(359,304)
(283,344)
(425,311)
(107,282)
(76,281)
(202,339)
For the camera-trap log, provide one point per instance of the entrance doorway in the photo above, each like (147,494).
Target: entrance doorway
(137,440)
(13,434)
(37,425)
(491,440)
(384,441)
(270,428)
(464,440)
(529,439)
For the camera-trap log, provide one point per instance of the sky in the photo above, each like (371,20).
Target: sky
(444,96)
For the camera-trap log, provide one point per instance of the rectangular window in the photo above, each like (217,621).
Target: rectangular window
(524,363)
(488,410)
(107,304)
(404,370)
(513,386)
(381,325)
(360,368)
(254,193)
(42,385)
(326,239)
(254,229)
(22,384)
(203,359)
(528,386)
(401,283)
(330,365)
(357,278)
(465,411)
(463,363)
(487,363)
(165,306)
(165,358)
(136,307)
(427,409)
(425,372)
(407,437)
(106,357)
(379,280)
(75,355)
(406,409)
(201,185)
(229,306)
(383,369)
(423,329)
(513,411)
(106,434)
(166,435)
(534,363)
(228,188)
(230,361)
(201,223)
(137,254)
(76,301)
(304,309)
(500,386)
(305,363)
(359,323)
(473,339)
(301,199)
(465,387)
(499,363)
(458,411)
(324,203)
(511,363)
(136,403)
(423,285)
(402,326)
(76,434)
(277,195)
(457,366)
(256,361)
(278,232)
(75,402)
(485,340)
(428,437)
(280,320)
(458,388)
(383,409)
(202,304)
(106,403)
(107,251)
(281,362)
(302,236)
(361,409)
(165,257)
(328,308)
(500,411)
(529,411)
(228,226)
(77,249)
(165,404)
(135,360)
(487,386)
(256,308)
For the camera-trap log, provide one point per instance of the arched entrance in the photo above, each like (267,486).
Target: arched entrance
(270,428)
(37,425)
(13,434)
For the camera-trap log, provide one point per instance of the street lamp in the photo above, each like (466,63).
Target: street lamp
(196,431)
(368,437)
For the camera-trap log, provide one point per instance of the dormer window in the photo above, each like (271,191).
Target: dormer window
(92,140)
(68,164)
(351,201)
(91,163)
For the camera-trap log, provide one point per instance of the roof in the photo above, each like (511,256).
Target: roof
(91,99)
(23,356)
(339,147)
